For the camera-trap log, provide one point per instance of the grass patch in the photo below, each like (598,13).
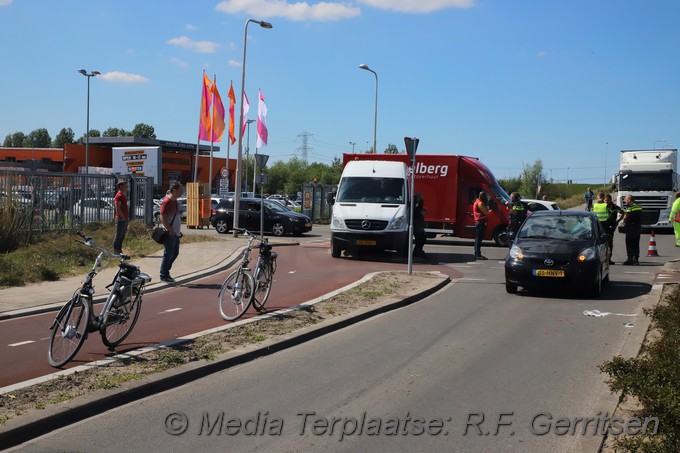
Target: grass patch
(56,255)
(653,378)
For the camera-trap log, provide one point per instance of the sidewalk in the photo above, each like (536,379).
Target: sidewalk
(195,260)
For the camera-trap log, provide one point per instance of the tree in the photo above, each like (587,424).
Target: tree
(64,137)
(529,179)
(15,140)
(115,132)
(39,138)
(391,149)
(93,133)
(144,131)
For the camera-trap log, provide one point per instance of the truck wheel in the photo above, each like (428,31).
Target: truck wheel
(500,237)
(335,248)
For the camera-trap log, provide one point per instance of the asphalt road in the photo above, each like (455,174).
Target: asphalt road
(470,368)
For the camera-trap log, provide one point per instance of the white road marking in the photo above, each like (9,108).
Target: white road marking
(292,272)
(472,279)
(169,310)
(21,343)
(645,273)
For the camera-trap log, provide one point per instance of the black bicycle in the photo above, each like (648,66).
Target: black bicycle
(118,317)
(264,275)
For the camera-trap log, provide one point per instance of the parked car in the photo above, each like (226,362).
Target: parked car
(278,220)
(97,210)
(182,209)
(541,205)
(559,249)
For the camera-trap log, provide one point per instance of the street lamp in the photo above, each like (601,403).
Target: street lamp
(375,115)
(239,157)
(353,144)
(87,136)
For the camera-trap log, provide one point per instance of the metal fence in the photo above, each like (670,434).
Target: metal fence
(59,201)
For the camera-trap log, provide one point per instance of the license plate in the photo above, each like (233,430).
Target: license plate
(366,242)
(548,273)
(308,225)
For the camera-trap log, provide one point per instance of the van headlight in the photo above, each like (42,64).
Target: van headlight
(338,222)
(397,223)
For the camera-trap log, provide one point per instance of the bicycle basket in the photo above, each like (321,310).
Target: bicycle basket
(129,271)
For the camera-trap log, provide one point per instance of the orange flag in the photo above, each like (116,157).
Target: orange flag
(204,122)
(218,125)
(232,103)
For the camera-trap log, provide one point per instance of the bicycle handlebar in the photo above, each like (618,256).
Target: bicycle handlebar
(88,241)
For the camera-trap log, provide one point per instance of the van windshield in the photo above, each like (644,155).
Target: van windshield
(371,190)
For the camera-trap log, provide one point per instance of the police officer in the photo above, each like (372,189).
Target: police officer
(633,219)
(518,211)
(614,216)
(599,208)
(675,218)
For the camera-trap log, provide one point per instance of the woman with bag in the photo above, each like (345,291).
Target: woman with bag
(172,222)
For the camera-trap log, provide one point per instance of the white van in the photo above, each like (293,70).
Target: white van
(370,208)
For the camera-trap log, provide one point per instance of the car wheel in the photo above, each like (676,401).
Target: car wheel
(511,288)
(335,248)
(278,229)
(500,237)
(222,226)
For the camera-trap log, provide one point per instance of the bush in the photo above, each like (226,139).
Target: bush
(14,226)
(653,377)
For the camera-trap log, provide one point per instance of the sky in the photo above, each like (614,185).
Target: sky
(568,82)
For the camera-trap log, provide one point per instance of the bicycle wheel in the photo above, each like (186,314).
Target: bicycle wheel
(236,294)
(69,331)
(263,285)
(121,317)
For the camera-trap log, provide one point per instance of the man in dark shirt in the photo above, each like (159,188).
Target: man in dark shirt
(518,211)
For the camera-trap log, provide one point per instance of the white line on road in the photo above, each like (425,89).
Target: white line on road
(645,273)
(292,272)
(472,279)
(21,343)
(169,310)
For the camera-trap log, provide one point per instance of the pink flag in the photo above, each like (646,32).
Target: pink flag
(232,103)
(245,108)
(262,133)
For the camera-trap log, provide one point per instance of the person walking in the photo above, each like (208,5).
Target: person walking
(675,218)
(518,211)
(120,205)
(589,196)
(632,218)
(480,211)
(419,226)
(614,216)
(171,219)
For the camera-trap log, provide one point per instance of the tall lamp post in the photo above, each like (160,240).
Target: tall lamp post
(353,145)
(375,114)
(87,136)
(239,157)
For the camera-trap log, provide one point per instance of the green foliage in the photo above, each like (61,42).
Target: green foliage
(15,140)
(14,225)
(93,133)
(65,136)
(391,149)
(39,138)
(144,131)
(529,177)
(116,132)
(653,377)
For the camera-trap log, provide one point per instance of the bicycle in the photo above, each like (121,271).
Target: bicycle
(240,287)
(117,318)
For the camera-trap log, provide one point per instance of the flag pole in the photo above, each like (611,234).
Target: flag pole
(212,128)
(198,141)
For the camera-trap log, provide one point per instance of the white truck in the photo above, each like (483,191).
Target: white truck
(370,208)
(651,177)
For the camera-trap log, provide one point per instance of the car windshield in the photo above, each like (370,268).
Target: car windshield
(562,227)
(500,194)
(371,190)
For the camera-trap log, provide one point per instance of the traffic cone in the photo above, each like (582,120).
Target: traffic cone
(652,245)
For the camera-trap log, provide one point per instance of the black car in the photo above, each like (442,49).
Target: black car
(559,249)
(277,219)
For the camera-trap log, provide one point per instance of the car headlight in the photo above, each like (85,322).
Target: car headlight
(397,223)
(587,254)
(516,253)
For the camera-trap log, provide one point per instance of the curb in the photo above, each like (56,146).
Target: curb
(61,416)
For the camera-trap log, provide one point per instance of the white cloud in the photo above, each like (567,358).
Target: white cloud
(542,53)
(418,6)
(298,11)
(197,46)
(5,2)
(178,62)
(235,63)
(123,77)
(191,27)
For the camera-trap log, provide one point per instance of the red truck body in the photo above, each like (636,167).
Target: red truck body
(449,185)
